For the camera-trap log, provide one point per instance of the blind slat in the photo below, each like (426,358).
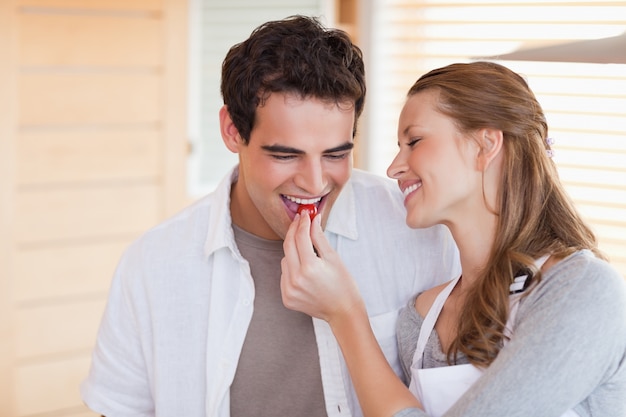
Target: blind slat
(585,103)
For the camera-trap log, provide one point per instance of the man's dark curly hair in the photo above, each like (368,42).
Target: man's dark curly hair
(296,55)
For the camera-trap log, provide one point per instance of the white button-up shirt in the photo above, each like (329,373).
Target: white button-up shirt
(182,298)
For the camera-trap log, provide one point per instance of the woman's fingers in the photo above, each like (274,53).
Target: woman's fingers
(320,285)
(303,238)
(321,244)
(290,248)
(297,267)
(286,288)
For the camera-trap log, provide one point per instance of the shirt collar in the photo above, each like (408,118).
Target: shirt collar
(342,218)
(219,230)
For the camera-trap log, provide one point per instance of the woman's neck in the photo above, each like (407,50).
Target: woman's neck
(474,239)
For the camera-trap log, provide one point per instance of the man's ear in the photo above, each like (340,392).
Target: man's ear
(230,134)
(490,142)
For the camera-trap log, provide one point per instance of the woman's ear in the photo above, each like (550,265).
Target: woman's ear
(230,134)
(490,142)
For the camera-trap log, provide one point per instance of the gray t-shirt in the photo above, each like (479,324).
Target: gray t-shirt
(568,349)
(278,373)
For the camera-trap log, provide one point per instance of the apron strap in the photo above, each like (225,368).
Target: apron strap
(429,321)
(433,314)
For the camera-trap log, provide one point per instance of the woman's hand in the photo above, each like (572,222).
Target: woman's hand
(317,284)
(321,286)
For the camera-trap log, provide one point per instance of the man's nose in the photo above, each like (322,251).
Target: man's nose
(312,178)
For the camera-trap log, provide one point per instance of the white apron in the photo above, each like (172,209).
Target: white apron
(439,388)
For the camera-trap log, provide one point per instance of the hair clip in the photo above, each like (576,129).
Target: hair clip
(549,143)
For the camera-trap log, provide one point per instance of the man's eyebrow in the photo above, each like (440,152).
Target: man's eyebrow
(281,149)
(286,149)
(345,147)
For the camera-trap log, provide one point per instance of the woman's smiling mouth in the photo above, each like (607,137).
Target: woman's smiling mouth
(408,190)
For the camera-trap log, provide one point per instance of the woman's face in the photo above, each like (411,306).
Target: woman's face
(435,166)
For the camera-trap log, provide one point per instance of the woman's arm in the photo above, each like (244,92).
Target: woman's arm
(380,391)
(568,347)
(569,338)
(321,286)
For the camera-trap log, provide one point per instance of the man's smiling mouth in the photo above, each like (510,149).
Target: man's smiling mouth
(297,204)
(301,201)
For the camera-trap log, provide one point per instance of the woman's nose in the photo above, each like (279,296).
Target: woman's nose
(397,167)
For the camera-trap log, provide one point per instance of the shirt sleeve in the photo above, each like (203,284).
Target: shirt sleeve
(569,340)
(117,384)
(410,412)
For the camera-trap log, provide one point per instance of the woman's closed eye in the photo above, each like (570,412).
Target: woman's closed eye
(412,142)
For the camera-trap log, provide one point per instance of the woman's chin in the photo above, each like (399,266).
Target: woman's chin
(418,223)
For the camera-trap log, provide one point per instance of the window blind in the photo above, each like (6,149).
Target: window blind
(585,103)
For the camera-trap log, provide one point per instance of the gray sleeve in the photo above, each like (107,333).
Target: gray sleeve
(410,412)
(568,350)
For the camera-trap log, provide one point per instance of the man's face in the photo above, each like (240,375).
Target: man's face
(300,152)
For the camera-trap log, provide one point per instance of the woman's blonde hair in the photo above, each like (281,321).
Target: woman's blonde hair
(535,215)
